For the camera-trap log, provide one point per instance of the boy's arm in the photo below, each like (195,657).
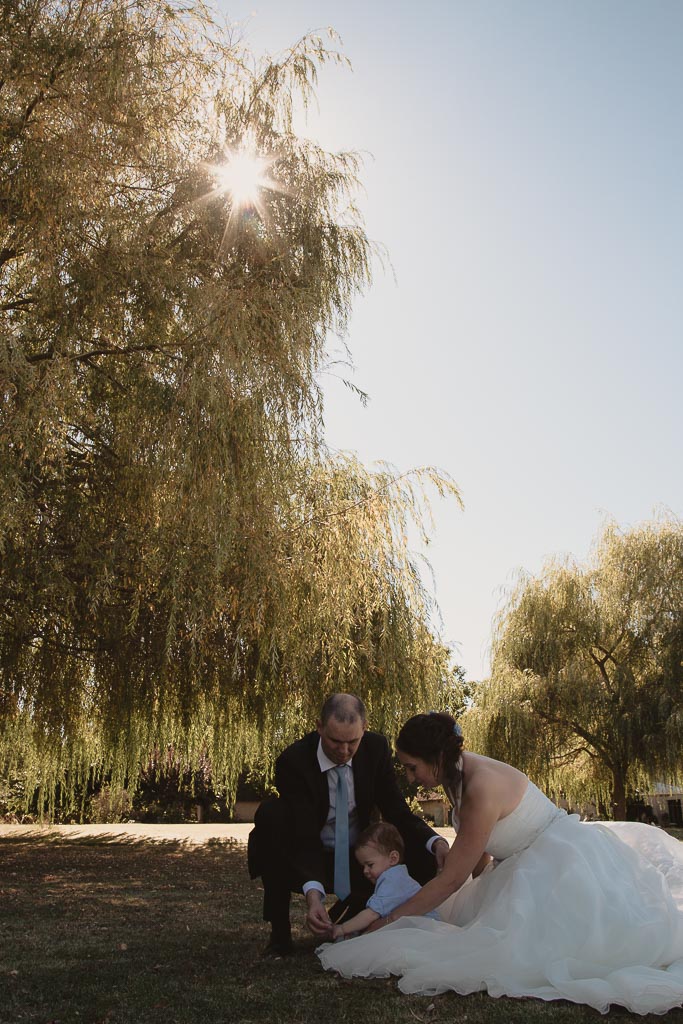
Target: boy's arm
(355,924)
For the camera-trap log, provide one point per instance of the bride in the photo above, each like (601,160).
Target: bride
(533,902)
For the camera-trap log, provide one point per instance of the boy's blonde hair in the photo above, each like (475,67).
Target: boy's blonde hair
(385,837)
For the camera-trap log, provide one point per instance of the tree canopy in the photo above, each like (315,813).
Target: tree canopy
(183,561)
(587,686)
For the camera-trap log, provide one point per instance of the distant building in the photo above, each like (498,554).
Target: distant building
(435,807)
(665,801)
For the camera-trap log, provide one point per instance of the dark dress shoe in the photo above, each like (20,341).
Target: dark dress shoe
(279,944)
(343,909)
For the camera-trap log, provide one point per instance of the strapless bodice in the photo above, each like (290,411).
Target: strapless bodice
(521,827)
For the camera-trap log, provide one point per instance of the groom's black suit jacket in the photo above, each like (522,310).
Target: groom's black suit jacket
(304,789)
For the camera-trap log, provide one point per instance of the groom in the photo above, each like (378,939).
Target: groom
(330,782)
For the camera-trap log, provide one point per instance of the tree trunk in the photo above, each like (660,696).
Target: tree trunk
(618,794)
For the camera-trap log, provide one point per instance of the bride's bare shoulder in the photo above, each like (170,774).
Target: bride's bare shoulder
(484,774)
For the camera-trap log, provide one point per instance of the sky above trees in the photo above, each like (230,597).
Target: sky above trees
(523,170)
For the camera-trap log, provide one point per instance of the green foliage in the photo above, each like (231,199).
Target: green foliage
(587,685)
(169,790)
(184,563)
(13,798)
(110,806)
(457,693)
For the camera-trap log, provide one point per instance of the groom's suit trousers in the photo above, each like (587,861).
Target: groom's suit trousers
(272,856)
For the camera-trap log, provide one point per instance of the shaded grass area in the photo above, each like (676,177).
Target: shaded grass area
(101,932)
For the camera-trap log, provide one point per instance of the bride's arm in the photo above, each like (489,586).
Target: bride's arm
(479,812)
(484,862)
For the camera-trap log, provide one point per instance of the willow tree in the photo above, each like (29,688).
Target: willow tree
(183,562)
(587,685)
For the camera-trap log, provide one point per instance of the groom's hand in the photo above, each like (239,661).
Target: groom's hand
(317,918)
(440,850)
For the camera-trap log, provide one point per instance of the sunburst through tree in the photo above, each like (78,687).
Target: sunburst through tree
(184,564)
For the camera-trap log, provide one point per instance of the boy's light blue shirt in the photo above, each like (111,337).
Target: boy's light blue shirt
(393,887)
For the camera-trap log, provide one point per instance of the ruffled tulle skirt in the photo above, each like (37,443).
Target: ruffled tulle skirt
(589,912)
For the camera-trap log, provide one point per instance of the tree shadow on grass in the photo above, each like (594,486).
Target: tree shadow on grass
(108,838)
(141,932)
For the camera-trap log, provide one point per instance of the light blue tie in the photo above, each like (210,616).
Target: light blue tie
(342,879)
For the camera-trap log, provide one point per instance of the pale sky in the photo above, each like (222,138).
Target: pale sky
(524,170)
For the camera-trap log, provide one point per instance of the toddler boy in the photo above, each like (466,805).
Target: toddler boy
(379,851)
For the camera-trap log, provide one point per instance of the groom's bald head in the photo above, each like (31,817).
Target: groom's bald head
(345,708)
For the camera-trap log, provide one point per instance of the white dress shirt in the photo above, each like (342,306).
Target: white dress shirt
(327,831)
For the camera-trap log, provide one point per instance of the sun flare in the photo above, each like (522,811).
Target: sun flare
(242,177)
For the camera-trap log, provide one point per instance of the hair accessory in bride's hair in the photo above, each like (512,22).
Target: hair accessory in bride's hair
(457,730)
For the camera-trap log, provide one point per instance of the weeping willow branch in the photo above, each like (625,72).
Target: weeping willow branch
(549,688)
(184,564)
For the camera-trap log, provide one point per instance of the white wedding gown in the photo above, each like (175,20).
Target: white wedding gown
(586,911)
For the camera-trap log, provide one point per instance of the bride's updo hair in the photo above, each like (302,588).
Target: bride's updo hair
(437,739)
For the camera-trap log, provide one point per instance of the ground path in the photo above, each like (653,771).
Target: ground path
(192,834)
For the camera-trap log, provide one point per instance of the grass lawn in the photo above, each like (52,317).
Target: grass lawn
(103,932)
